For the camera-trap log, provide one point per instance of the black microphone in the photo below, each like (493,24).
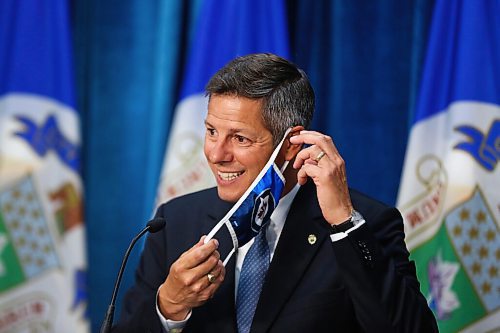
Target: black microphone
(153,226)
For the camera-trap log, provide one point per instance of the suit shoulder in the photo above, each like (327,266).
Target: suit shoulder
(368,205)
(363,198)
(202,198)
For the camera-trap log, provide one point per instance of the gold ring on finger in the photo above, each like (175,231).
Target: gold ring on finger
(319,156)
(211,277)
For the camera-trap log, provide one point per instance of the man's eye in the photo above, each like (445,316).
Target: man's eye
(241,139)
(210,131)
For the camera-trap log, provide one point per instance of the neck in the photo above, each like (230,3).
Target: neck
(290,175)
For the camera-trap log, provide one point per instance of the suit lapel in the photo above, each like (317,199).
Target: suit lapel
(216,212)
(292,256)
(221,307)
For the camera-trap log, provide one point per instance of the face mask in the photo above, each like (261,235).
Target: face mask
(245,219)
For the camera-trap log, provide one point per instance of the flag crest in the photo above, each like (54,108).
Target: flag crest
(449,194)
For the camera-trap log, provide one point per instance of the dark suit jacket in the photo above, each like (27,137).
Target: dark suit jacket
(362,283)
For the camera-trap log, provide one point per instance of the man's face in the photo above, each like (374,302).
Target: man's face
(237,144)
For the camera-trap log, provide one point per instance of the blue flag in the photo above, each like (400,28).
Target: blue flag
(225,29)
(449,193)
(42,242)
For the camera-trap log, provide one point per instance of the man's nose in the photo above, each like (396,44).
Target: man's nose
(220,152)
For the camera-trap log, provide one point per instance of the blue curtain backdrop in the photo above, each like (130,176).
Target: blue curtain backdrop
(363,58)
(128,58)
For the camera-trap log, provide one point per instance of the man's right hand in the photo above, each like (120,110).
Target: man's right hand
(187,285)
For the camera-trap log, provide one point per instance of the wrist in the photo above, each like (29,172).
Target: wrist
(172,310)
(339,216)
(354,219)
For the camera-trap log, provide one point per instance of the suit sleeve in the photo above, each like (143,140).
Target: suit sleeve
(381,280)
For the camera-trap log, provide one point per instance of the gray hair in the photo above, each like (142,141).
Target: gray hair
(286,94)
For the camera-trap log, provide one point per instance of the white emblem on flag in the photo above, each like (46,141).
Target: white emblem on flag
(24,219)
(476,238)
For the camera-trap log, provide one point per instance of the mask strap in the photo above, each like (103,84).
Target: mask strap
(217,227)
(234,238)
(282,170)
(214,230)
(229,256)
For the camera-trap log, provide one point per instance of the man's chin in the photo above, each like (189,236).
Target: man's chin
(225,195)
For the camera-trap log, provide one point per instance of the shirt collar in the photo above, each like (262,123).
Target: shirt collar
(279,215)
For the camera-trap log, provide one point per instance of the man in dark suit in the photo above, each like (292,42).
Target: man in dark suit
(337,259)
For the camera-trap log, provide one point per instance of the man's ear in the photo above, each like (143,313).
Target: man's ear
(293,149)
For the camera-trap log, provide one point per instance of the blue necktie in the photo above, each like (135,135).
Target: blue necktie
(253,273)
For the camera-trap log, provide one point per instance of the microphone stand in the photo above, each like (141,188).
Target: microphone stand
(154,225)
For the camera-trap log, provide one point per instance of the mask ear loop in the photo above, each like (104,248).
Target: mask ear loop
(282,170)
(285,164)
(225,221)
(228,257)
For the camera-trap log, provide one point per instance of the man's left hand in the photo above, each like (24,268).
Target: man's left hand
(322,163)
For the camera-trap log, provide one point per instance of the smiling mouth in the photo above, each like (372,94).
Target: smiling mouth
(229,175)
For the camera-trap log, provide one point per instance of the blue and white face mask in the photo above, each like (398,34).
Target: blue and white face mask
(245,219)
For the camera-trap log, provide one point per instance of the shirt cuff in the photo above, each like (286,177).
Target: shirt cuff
(341,235)
(170,326)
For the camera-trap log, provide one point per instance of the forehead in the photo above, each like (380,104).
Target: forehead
(234,110)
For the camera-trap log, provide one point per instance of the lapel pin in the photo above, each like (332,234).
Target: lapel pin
(311,239)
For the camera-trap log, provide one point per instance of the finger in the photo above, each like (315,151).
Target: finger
(206,294)
(199,273)
(198,254)
(307,156)
(203,282)
(194,280)
(222,274)
(304,134)
(308,171)
(218,272)
(324,142)
(210,290)
(302,176)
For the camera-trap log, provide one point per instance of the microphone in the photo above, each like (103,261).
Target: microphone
(153,226)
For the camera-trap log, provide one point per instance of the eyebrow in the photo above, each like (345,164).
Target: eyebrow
(231,130)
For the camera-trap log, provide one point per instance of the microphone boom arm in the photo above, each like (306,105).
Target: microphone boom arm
(153,226)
